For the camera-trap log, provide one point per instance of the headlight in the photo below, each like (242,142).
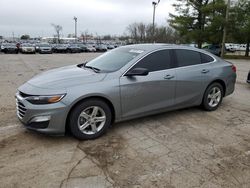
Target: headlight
(45,99)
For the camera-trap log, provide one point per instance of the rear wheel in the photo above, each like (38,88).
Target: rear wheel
(213,97)
(90,119)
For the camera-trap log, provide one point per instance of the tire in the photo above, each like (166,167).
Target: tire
(83,115)
(213,97)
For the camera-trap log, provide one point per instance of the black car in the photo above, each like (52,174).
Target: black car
(83,47)
(60,48)
(248,77)
(9,48)
(73,48)
(213,48)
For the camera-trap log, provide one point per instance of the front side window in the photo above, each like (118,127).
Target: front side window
(156,61)
(187,57)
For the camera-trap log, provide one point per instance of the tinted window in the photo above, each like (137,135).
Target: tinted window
(206,58)
(156,61)
(187,57)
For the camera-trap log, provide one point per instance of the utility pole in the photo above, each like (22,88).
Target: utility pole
(225,30)
(154,6)
(75,18)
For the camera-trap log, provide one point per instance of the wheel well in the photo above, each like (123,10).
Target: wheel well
(222,83)
(84,99)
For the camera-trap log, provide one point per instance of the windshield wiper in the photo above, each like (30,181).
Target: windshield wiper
(93,68)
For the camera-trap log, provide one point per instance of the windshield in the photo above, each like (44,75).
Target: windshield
(114,60)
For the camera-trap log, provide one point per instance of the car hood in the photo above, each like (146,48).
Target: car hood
(65,77)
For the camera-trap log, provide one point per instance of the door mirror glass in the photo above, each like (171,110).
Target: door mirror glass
(137,72)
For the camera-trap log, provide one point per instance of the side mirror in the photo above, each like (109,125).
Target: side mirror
(137,72)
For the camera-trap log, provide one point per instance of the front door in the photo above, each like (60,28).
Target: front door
(146,94)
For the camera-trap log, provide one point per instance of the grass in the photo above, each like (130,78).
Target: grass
(236,57)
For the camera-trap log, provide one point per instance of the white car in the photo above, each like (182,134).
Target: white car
(230,47)
(27,48)
(90,49)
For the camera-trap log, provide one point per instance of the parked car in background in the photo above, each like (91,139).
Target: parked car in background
(110,46)
(83,47)
(230,47)
(191,45)
(73,48)
(242,47)
(122,84)
(44,48)
(248,77)
(27,48)
(90,48)
(214,49)
(101,48)
(9,48)
(60,48)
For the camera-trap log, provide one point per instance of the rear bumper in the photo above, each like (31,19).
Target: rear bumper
(230,85)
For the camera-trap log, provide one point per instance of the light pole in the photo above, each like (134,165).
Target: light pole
(75,18)
(225,30)
(154,6)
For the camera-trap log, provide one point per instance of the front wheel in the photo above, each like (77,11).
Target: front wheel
(213,97)
(90,119)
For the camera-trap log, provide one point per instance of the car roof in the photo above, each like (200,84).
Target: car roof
(155,46)
(148,46)
(158,46)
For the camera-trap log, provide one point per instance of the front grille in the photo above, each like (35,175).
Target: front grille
(21,110)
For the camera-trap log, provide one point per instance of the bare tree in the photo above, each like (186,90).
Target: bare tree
(58,29)
(141,28)
(133,32)
(141,33)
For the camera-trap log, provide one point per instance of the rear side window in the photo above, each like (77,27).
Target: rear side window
(156,61)
(187,57)
(206,58)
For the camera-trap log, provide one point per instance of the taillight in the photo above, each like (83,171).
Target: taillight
(234,68)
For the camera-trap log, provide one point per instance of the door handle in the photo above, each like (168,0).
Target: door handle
(168,77)
(205,71)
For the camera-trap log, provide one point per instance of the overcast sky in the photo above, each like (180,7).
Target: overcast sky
(34,17)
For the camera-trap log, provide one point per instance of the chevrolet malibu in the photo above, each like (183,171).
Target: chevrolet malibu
(122,84)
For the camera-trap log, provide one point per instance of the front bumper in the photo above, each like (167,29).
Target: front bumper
(50,119)
(45,51)
(28,51)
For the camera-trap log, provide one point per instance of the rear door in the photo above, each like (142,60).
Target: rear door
(146,94)
(191,77)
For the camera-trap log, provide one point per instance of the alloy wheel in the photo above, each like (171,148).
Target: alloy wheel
(91,120)
(214,97)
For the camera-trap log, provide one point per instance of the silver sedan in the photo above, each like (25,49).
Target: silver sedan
(124,83)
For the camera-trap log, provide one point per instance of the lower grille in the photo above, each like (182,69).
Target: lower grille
(21,110)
